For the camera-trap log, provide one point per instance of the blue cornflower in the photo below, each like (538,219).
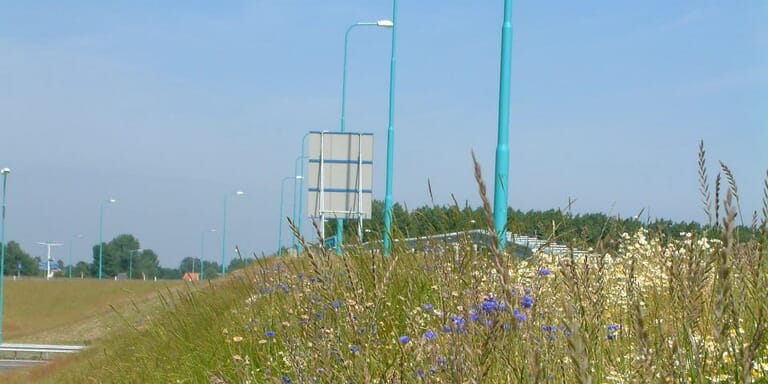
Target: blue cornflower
(447,328)
(459,322)
(545,272)
(354,348)
(613,327)
(502,306)
(442,360)
(527,301)
(429,335)
(474,316)
(300,276)
(428,307)
(404,339)
(270,334)
(521,317)
(489,304)
(336,304)
(611,336)
(420,373)
(286,380)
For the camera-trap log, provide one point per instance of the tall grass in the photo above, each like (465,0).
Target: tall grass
(637,308)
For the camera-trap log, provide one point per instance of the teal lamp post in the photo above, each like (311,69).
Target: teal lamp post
(382,24)
(4,172)
(297,192)
(390,139)
(301,188)
(70,253)
(280,223)
(202,252)
(501,179)
(130,262)
(101,227)
(224,232)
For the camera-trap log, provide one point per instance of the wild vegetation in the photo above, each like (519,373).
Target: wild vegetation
(640,306)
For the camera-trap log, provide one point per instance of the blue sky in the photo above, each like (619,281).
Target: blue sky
(168,106)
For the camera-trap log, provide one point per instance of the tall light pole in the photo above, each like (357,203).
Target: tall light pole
(382,24)
(280,223)
(224,231)
(4,172)
(390,138)
(101,227)
(48,258)
(301,188)
(70,253)
(501,179)
(130,261)
(297,207)
(202,252)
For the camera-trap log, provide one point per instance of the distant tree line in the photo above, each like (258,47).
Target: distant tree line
(559,225)
(122,255)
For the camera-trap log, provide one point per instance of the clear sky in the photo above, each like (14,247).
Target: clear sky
(168,106)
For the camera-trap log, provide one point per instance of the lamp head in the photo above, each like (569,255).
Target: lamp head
(299,177)
(111,201)
(5,171)
(239,193)
(385,23)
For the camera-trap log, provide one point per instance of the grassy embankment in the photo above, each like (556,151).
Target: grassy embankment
(637,308)
(72,312)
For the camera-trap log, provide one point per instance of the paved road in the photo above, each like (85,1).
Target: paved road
(7,365)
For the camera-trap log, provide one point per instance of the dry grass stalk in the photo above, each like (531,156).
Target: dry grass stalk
(706,197)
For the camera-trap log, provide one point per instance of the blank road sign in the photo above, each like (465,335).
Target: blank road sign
(340,174)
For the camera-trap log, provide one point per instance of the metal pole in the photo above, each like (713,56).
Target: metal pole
(280,222)
(224,232)
(390,138)
(301,188)
(5,172)
(101,242)
(224,236)
(69,261)
(296,210)
(501,181)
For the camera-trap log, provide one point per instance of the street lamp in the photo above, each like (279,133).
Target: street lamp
(70,253)
(202,252)
(48,258)
(382,24)
(297,207)
(130,261)
(390,138)
(501,179)
(224,231)
(101,226)
(280,223)
(4,172)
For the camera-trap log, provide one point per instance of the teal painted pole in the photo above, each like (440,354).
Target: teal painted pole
(296,209)
(5,172)
(130,262)
(501,181)
(101,241)
(202,252)
(390,139)
(299,248)
(380,23)
(224,233)
(280,222)
(70,259)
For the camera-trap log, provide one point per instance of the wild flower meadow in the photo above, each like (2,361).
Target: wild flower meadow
(638,308)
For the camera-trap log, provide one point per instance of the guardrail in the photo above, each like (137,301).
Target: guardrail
(43,350)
